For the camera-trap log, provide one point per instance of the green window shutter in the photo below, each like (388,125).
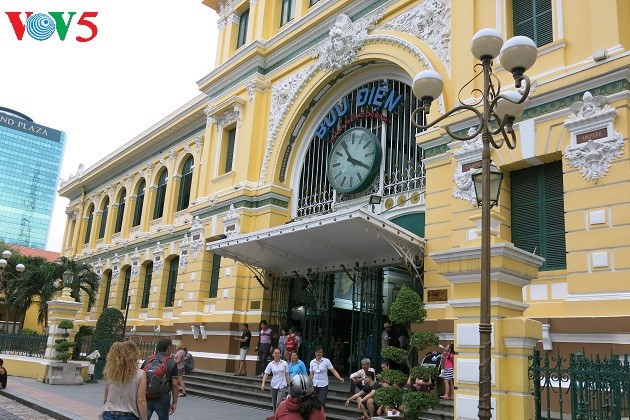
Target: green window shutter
(538,213)
(125,291)
(146,290)
(533,19)
(229,150)
(172,282)
(553,210)
(214,277)
(242,29)
(108,284)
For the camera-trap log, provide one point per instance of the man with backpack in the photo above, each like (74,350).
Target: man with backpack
(162,383)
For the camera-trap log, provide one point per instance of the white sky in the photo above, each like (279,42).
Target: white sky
(143,64)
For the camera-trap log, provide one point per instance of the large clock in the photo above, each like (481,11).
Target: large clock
(354,160)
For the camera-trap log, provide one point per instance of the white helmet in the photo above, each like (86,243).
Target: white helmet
(301,386)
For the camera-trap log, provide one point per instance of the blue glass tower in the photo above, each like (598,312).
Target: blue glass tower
(30,161)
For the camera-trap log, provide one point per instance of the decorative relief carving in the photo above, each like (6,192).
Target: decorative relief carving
(346,38)
(231,222)
(98,266)
(256,84)
(183,253)
(229,117)
(430,22)
(594,141)
(135,263)
(158,257)
(197,238)
(469,152)
(115,268)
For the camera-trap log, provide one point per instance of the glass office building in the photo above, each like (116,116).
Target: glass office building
(30,161)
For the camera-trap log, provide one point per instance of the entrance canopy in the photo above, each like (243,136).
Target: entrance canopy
(324,243)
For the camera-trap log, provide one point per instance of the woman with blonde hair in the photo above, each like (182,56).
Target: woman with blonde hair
(125,389)
(179,359)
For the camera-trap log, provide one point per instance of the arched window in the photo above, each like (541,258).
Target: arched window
(184,186)
(121,211)
(137,214)
(125,291)
(88,228)
(101,231)
(172,282)
(158,211)
(147,285)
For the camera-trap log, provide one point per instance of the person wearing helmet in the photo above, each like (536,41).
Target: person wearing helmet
(301,404)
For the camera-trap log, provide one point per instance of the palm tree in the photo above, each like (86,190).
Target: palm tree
(85,279)
(36,285)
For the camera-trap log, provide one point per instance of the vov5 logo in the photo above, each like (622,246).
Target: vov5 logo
(41,26)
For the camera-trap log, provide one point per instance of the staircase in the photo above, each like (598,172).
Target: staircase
(245,390)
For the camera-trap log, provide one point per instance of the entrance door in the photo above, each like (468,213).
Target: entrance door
(318,310)
(367,303)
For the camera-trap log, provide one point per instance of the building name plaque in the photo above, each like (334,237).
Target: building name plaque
(592,135)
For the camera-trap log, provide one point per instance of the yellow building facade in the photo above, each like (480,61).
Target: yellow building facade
(295,189)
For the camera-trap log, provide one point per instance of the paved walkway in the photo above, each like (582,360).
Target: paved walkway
(75,402)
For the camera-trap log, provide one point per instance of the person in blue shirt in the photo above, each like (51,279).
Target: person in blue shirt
(296,366)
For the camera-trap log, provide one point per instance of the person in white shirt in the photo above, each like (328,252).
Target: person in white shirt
(279,381)
(357,378)
(319,368)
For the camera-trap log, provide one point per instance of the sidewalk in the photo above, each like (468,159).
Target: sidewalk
(76,402)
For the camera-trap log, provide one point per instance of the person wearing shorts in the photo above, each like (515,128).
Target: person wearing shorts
(244,340)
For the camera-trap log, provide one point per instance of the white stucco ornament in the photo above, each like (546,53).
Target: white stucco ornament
(345,40)
(183,253)
(469,153)
(135,263)
(430,22)
(158,257)
(594,141)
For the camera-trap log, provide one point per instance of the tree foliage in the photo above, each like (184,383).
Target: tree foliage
(109,329)
(36,285)
(84,283)
(406,309)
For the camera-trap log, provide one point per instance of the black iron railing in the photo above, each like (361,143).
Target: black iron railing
(582,388)
(23,344)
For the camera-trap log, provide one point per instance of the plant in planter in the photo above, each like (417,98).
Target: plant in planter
(63,345)
(406,309)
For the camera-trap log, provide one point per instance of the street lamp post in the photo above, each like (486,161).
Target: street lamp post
(3,273)
(499,110)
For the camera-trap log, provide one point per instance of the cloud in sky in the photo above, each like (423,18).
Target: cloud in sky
(143,64)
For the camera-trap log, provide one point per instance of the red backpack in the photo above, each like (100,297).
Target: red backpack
(158,383)
(289,343)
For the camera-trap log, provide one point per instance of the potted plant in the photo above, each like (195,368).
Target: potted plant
(406,309)
(63,346)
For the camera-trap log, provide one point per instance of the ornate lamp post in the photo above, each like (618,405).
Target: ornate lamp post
(3,273)
(499,110)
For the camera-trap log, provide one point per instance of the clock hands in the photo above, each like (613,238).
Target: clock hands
(353,160)
(358,162)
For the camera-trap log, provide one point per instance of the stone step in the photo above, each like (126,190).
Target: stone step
(246,390)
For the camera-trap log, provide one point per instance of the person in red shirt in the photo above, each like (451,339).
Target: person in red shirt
(301,403)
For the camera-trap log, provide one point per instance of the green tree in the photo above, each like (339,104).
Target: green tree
(85,279)
(35,285)
(8,274)
(109,329)
(408,308)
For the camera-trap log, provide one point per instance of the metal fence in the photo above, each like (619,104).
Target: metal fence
(23,344)
(581,388)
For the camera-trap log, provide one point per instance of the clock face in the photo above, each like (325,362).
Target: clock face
(354,160)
